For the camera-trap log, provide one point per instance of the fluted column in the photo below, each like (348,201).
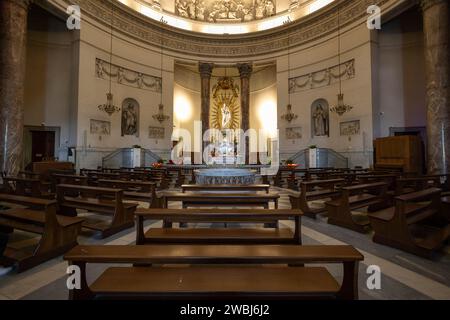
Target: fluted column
(245,71)
(13,32)
(436,32)
(205,70)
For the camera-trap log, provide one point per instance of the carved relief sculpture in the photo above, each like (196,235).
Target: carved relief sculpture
(127,76)
(225,10)
(323,78)
(100,127)
(350,128)
(130,117)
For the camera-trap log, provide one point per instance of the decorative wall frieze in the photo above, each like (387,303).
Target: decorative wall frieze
(225,11)
(323,78)
(126,76)
(146,30)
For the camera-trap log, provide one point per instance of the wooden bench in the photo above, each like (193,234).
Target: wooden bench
(225,187)
(177,175)
(408,185)
(93,199)
(352,198)
(133,190)
(314,190)
(32,187)
(218,235)
(57,178)
(202,199)
(413,226)
(58,233)
(241,278)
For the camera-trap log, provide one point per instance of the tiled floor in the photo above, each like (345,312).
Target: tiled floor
(404,276)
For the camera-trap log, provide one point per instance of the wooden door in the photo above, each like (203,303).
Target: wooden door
(42,145)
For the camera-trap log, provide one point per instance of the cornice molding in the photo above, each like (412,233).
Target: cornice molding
(312,27)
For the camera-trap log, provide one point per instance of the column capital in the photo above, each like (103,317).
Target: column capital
(205,69)
(245,69)
(427,4)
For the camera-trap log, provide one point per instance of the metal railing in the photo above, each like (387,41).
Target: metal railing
(124,157)
(326,158)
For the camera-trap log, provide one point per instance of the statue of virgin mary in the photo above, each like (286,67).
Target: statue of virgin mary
(226,116)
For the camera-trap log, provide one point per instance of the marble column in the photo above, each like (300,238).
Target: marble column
(436,31)
(205,70)
(13,33)
(245,71)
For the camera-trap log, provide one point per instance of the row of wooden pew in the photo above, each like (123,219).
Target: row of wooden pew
(412,216)
(217,263)
(219,258)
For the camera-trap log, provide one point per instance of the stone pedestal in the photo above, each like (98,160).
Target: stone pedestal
(245,71)
(205,70)
(13,32)
(436,32)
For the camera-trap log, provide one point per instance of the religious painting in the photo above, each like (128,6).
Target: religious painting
(156,132)
(320,119)
(130,117)
(225,10)
(294,133)
(350,128)
(225,111)
(100,127)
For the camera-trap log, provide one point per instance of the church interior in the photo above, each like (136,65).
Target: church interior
(224,150)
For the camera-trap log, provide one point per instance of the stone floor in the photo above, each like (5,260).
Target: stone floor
(404,276)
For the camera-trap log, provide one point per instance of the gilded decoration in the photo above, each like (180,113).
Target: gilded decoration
(225,111)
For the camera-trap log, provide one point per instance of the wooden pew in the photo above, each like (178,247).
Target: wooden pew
(355,197)
(413,226)
(58,233)
(177,175)
(133,190)
(446,206)
(201,199)
(95,176)
(408,185)
(314,190)
(93,199)
(218,235)
(225,187)
(242,278)
(67,179)
(27,187)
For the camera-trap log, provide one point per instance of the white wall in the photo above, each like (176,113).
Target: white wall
(401,79)
(48,79)
(355,44)
(92,92)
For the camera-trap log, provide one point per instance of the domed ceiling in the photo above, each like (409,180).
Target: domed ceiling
(226,16)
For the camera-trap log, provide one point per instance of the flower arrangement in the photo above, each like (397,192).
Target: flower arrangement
(157,165)
(290,164)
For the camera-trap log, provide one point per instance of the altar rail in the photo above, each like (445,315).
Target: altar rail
(326,158)
(125,158)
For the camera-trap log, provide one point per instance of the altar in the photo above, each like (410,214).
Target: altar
(225,176)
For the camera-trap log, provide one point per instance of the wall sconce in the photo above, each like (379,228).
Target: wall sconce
(160,116)
(289,116)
